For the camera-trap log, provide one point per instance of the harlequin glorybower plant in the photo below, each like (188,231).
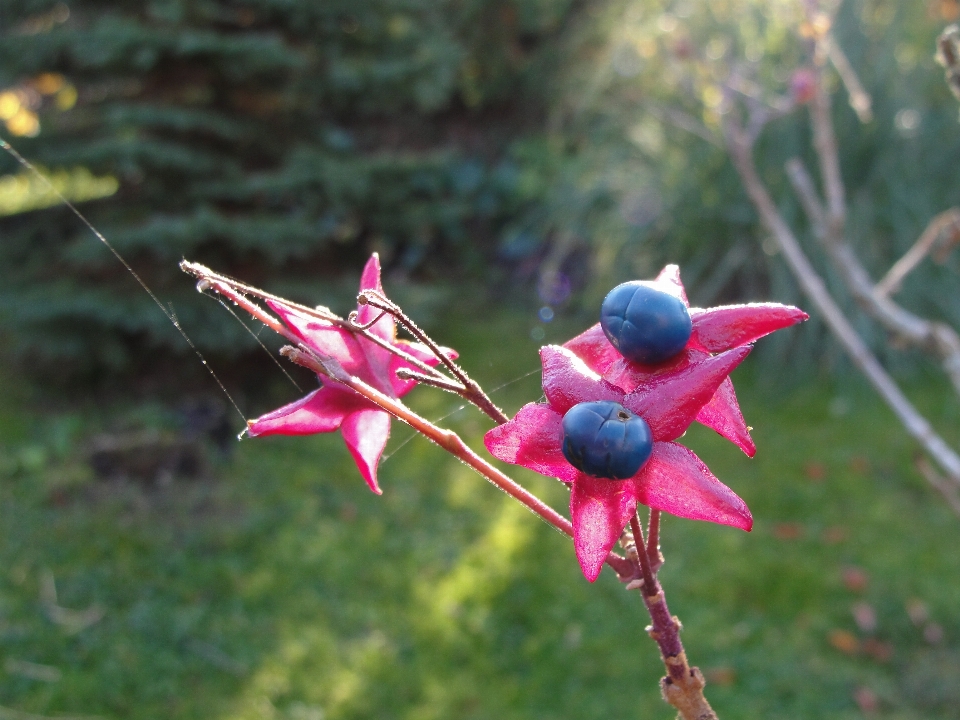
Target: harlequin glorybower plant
(365,371)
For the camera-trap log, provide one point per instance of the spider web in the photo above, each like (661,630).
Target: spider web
(172,317)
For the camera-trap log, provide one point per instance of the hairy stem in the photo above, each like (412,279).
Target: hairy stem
(683,685)
(446,439)
(653,541)
(237,292)
(471,391)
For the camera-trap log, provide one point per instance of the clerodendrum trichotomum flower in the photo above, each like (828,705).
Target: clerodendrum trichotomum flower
(672,479)
(364,426)
(714,330)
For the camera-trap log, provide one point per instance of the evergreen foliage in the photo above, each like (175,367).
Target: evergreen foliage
(278,141)
(282,142)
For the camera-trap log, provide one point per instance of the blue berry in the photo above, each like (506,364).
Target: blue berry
(606,440)
(645,324)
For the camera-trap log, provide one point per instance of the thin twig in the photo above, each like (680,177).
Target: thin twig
(352,319)
(948,55)
(940,483)
(942,233)
(653,541)
(237,292)
(441,383)
(859,98)
(252,308)
(382,302)
(446,439)
(683,685)
(202,272)
(471,390)
(809,199)
(684,121)
(916,425)
(825,143)
(650,586)
(934,337)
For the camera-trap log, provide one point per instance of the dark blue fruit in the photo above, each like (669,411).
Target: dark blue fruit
(606,440)
(645,324)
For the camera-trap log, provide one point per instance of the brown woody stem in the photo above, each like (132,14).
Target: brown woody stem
(683,685)
(446,439)
(471,391)
(653,541)
(237,292)
(438,382)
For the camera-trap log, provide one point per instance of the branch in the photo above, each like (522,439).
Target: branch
(933,237)
(653,541)
(940,483)
(446,439)
(916,425)
(948,55)
(683,685)
(936,338)
(470,390)
(684,121)
(859,98)
(825,143)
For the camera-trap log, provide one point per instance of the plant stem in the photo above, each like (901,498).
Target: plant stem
(446,439)
(653,541)
(683,685)
(236,292)
(471,392)
(463,386)
(741,152)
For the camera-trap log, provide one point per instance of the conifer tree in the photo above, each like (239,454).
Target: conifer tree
(274,140)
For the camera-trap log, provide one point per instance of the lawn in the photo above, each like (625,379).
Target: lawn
(278,586)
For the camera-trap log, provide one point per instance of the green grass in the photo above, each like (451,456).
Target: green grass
(280,587)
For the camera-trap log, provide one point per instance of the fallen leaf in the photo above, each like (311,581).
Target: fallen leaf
(855,579)
(918,611)
(835,534)
(933,634)
(724,676)
(878,650)
(844,641)
(866,700)
(864,616)
(788,531)
(859,464)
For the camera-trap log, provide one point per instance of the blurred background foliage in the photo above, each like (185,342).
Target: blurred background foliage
(279,142)
(510,160)
(567,145)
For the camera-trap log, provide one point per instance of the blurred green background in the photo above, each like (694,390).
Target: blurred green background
(510,161)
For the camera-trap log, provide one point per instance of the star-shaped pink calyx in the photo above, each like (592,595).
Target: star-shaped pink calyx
(716,329)
(364,426)
(674,479)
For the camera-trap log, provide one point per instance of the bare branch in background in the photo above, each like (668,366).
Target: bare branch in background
(940,237)
(943,486)
(684,121)
(917,426)
(948,55)
(859,98)
(828,219)
(936,338)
